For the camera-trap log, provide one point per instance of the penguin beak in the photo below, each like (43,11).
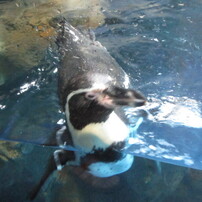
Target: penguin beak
(124,97)
(115,96)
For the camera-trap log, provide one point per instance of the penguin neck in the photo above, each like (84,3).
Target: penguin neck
(81,112)
(99,136)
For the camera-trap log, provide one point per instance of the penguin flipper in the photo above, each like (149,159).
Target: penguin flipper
(60,138)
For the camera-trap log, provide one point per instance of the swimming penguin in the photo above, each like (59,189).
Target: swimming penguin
(92,87)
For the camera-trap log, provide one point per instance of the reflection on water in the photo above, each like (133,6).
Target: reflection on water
(158,43)
(169,116)
(174,111)
(179,111)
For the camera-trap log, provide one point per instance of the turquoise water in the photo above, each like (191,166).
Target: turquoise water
(158,43)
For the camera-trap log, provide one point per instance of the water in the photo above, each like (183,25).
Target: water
(159,46)
(158,43)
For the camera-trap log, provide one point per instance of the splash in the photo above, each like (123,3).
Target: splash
(168,133)
(170,110)
(176,111)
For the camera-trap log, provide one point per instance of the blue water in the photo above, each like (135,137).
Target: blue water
(158,43)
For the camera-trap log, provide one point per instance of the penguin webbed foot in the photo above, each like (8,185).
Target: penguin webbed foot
(58,154)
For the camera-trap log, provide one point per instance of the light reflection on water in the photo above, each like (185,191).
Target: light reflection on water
(174,112)
(180,111)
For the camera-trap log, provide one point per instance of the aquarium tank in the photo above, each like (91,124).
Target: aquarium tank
(158,43)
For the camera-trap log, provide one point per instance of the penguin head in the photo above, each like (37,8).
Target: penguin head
(95,105)
(115,96)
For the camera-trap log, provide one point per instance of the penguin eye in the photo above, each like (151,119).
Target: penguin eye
(90,96)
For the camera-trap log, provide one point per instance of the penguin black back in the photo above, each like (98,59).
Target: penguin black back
(85,63)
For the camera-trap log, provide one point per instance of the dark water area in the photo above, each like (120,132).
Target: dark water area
(158,43)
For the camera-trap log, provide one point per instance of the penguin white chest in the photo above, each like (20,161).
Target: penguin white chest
(100,135)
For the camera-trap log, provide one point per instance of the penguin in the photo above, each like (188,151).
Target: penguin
(92,89)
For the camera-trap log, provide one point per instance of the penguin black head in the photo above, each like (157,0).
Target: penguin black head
(123,97)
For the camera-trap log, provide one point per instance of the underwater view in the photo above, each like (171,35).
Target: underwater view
(157,51)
